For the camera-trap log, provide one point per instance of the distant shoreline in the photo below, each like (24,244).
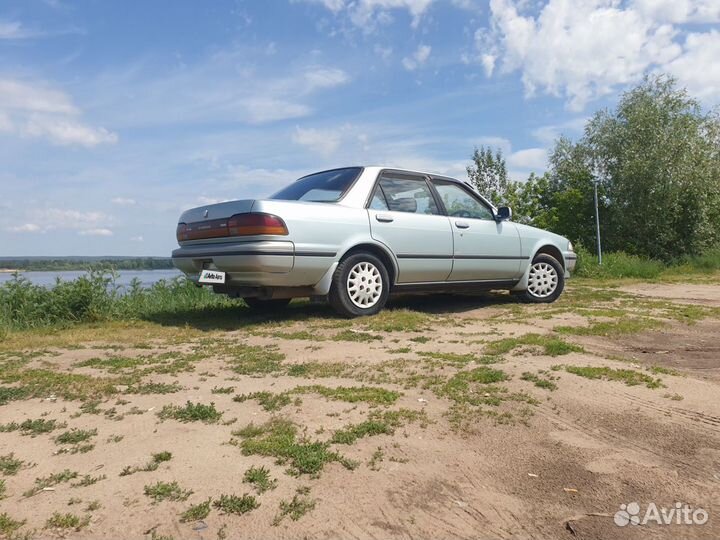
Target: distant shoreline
(60,264)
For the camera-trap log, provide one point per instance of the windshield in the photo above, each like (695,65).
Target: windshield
(327,186)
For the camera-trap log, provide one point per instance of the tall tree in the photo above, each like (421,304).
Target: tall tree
(657,156)
(488,173)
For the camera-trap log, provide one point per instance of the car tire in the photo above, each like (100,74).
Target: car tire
(265,306)
(546,280)
(360,286)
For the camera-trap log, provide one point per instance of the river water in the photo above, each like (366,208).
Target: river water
(124,277)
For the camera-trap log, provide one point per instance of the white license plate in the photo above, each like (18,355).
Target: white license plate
(212,276)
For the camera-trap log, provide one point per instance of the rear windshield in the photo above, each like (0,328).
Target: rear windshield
(326,186)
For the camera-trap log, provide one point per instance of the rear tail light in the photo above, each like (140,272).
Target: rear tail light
(253,224)
(237,225)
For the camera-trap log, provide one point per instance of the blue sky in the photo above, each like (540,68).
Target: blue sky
(116,115)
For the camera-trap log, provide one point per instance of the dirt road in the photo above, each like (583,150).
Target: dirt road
(441,418)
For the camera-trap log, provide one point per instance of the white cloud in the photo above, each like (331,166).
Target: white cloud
(493,142)
(321,78)
(548,134)
(64,131)
(26,227)
(321,141)
(418,58)
(96,232)
(137,239)
(368,14)
(12,30)
(680,11)
(264,110)
(38,111)
(585,50)
(699,68)
(529,158)
(123,201)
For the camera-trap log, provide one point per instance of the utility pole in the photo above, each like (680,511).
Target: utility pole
(597,222)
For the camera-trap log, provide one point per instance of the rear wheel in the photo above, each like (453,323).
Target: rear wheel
(264,306)
(546,280)
(360,286)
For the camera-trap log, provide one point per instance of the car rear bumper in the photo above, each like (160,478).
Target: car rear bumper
(255,264)
(236,258)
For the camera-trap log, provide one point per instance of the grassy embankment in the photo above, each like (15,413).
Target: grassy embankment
(94,298)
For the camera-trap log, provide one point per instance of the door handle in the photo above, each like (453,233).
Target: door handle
(384,218)
(462,224)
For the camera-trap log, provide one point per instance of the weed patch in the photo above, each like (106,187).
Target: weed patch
(191,412)
(167,491)
(196,512)
(628,376)
(232,504)
(260,478)
(550,345)
(67,521)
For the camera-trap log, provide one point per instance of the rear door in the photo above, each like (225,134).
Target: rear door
(405,216)
(484,248)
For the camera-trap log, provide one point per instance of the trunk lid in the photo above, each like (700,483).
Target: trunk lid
(216,211)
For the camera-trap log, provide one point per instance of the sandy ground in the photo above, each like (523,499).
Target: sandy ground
(559,467)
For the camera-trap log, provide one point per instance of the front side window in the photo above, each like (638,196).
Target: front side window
(459,203)
(327,186)
(404,195)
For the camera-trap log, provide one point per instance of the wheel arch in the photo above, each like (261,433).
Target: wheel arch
(553,251)
(380,252)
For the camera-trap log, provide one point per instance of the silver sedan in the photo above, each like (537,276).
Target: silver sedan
(357,234)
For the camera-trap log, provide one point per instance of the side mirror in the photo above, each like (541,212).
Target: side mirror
(503,213)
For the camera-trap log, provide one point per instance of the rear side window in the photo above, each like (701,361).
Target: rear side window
(403,195)
(327,186)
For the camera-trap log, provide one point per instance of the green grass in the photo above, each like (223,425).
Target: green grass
(9,526)
(67,521)
(166,491)
(10,465)
(33,428)
(456,359)
(232,504)
(222,390)
(319,370)
(420,339)
(357,336)
(253,360)
(300,505)
(260,479)
(75,436)
(398,320)
(95,297)
(267,400)
(538,381)
(191,412)
(628,376)
(3,488)
(611,329)
(196,512)
(352,394)
(278,438)
(153,388)
(51,481)
(384,423)
(151,465)
(88,480)
(617,265)
(549,345)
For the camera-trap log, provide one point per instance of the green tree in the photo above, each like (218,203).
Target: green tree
(657,157)
(488,172)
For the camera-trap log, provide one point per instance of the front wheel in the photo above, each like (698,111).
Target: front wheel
(265,306)
(546,280)
(360,286)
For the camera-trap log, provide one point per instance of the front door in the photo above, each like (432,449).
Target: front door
(404,216)
(485,249)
